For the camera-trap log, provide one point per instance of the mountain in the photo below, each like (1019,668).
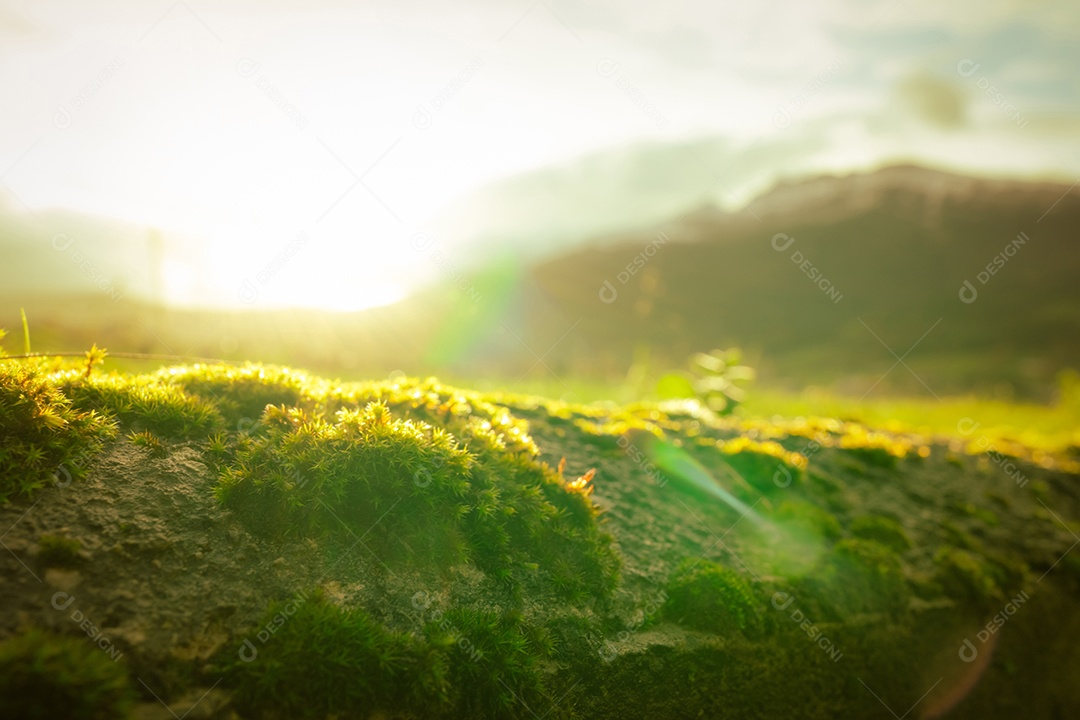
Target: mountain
(807,274)
(67,253)
(542,212)
(802,278)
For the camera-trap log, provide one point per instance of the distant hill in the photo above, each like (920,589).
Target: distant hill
(883,253)
(67,253)
(552,209)
(806,274)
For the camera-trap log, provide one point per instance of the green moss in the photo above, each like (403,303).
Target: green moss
(883,530)
(1041,490)
(878,457)
(968,577)
(819,523)
(142,403)
(322,660)
(446,498)
(706,596)
(987,516)
(495,664)
(961,538)
(148,440)
(861,576)
(241,393)
(45,676)
(59,551)
(767,466)
(43,437)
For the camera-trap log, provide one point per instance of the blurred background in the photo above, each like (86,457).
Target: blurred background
(873,200)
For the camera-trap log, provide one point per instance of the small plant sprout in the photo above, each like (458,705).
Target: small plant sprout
(59,551)
(94,356)
(26,332)
(582,484)
(716,375)
(715,379)
(147,440)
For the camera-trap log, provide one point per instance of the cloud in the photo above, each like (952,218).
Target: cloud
(934,100)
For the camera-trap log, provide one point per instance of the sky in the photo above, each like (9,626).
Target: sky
(311,147)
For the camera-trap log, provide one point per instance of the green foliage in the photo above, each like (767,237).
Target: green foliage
(43,436)
(968,576)
(820,523)
(767,466)
(241,393)
(323,660)
(141,403)
(147,440)
(861,576)
(967,509)
(45,676)
(878,457)
(706,596)
(714,378)
(94,356)
(494,662)
(459,474)
(481,498)
(59,551)
(883,530)
(26,332)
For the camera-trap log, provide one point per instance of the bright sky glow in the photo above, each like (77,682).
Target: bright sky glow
(244,126)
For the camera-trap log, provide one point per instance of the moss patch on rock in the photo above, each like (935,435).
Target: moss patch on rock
(706,596)
(312,659)
(46,438)
(450,500)
(45,676)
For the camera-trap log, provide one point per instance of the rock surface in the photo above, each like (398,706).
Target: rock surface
(856,574)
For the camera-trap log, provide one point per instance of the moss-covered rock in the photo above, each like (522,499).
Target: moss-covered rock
(46,438)
(45,676)
(456,554)
(706,596)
